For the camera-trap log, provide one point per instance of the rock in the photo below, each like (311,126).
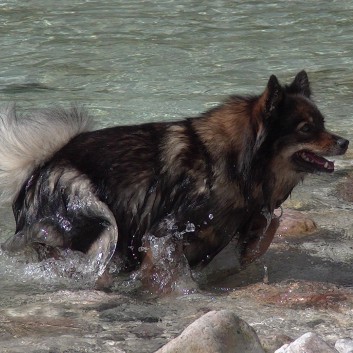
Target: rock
(309,343)
(294,223)
(301,295)
(216,332)
(344,345)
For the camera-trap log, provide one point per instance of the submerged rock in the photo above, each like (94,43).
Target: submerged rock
(344,190)
(302,295)
(216,332)
(309,343)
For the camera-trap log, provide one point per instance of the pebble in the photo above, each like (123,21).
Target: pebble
(216,332)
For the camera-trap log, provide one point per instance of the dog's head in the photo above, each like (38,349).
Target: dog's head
(296,138)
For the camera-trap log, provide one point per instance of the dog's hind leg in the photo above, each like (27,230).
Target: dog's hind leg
(102,249)
(70,216)
(95,236)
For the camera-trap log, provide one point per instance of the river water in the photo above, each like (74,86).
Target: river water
(138,61)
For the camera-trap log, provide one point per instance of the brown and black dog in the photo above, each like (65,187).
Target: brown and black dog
(203,181)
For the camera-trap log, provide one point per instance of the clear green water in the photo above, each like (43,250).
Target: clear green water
(136,61)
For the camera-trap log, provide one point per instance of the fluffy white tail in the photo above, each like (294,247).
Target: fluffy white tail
(27,141)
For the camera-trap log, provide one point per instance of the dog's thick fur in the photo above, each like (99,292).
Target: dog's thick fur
(224,172)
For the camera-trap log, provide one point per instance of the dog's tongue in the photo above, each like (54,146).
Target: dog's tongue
(320,163)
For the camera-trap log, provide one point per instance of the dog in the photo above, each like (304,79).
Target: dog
(198,183)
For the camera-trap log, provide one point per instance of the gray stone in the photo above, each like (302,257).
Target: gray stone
(309,343)
(344,345)
(216,332)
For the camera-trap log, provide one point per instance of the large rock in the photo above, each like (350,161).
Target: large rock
(216,332)
(309,343)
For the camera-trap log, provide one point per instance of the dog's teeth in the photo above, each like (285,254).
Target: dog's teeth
(305,157)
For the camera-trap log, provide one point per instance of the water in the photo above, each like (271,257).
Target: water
(139,61)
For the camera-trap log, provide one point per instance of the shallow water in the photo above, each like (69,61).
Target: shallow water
(135,61)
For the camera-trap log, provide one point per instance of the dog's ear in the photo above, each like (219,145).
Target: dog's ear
(271,98)
(300,85)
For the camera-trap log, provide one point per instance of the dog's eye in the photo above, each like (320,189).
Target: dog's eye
(306,128)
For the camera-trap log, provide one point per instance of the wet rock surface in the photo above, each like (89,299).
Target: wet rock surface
(303,284)
(323,308)
(94,321)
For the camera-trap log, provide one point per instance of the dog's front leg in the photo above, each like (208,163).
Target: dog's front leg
(164,266)
(260,237)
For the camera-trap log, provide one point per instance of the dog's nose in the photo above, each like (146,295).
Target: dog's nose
(342,143)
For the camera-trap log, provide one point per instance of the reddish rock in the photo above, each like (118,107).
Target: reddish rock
(295,223)
(301,295)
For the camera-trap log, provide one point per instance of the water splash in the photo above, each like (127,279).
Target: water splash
(165,266)
(190,227)
(68,269)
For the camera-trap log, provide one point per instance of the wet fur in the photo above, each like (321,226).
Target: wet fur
(224,171)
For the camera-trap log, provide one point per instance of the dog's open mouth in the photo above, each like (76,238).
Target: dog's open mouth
(311,162)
